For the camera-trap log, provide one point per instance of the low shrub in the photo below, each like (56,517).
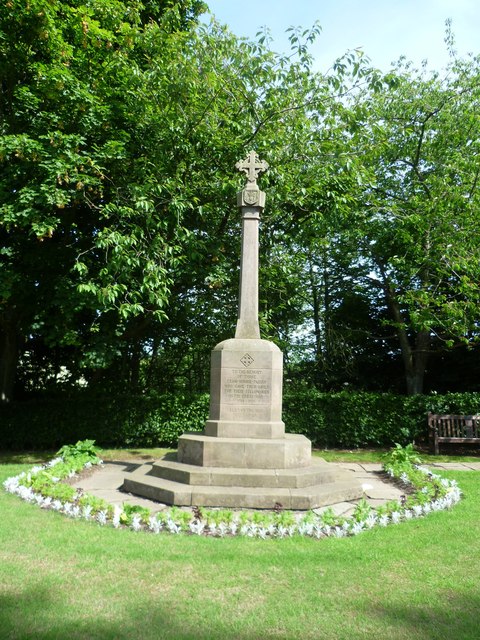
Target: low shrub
(330,420)
(45,422)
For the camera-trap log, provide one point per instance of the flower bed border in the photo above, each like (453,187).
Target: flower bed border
(429,492)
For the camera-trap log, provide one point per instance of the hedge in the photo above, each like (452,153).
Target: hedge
(329,420)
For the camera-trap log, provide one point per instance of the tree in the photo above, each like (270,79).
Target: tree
(419,137)
(74,256)
(121,126)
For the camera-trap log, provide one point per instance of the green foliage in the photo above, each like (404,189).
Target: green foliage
(111,420)
(129,510)
(360,419)
(400,457)
(329,420)
(362,510)
(84,449)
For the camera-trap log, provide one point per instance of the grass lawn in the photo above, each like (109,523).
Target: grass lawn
(61,578)
(331,455)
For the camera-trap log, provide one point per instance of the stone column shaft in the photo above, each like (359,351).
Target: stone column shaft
(247,323)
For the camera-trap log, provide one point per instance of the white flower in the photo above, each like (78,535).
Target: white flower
(67,508)
(87,512)
(197,527)
(57,505)
(117,513)
(136,522)
(404,478)
(371,521)
(233,528)
(35,470)
(154,524)
(396,517)
(383,521)
(53,462)
(408,513)
(356,528)
(102,518)
(222,529)
(262,533)
(76,512)
(26,493)
(427,508)
(305,528)
(172,526)
(417,510)
(11,484)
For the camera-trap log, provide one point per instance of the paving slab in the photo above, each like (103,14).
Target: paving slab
(451,466)
(106,481)
(351,466)
(473,466)
(372,466)
(339,509)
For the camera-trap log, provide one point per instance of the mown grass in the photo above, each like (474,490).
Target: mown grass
(331,455)
(65,579)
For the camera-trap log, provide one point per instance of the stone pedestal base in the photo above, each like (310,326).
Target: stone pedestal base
(244,458)
(291,451)
(181,484)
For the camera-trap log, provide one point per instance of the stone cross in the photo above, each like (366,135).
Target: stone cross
(252,166)
(251,201)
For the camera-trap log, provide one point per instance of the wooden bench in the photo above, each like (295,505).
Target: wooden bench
(452,428)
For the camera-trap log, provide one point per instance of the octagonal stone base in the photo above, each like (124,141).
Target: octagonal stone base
(244,458)
(291,451)
(172,482)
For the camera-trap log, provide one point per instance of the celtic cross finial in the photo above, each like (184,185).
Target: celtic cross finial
(252,166)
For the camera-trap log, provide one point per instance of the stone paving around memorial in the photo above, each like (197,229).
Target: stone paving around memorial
(106,481)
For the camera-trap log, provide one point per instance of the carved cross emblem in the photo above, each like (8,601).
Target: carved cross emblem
(252,166)
(247,360)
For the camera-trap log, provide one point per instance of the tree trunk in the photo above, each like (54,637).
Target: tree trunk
(316,314)
(9,351)
(415,357)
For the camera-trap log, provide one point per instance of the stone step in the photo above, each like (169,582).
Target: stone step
(320,472)
(302,498)
(289,452)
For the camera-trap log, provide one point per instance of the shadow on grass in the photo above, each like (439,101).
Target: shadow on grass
(454,617)
(43,615)
(40,614)
(26,457)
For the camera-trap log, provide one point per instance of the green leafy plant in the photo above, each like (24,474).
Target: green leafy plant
(129,510)
(84,449)
(362,510)
(402,456)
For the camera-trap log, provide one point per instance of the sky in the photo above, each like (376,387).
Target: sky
(383,29)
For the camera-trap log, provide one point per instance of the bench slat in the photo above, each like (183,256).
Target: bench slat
(453,428)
